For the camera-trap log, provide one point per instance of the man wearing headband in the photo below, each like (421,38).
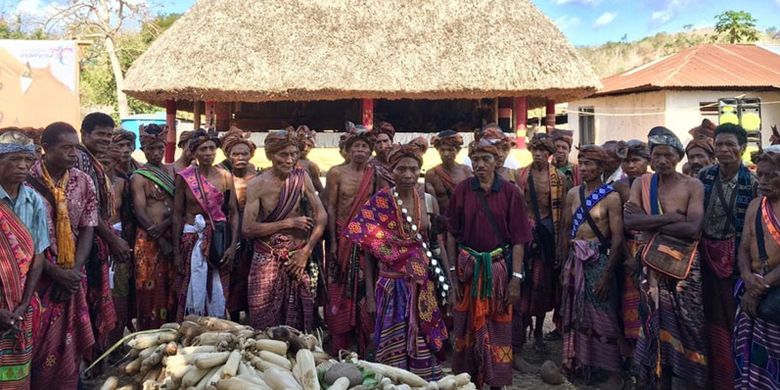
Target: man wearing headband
(755,335)
(66,333)
(672,204)
(153,189)
(444,177)
(239,150)
(563,140)
(700,153)
(23,239)
(306,142)
(97,130)
(729,187)
(204,206)
(384,133)
(408,335)
(349,186)
(506,166)
(488,230)
(123,146)
(544,187)
(592,242)
(616,153)
(186,157)
(285,220)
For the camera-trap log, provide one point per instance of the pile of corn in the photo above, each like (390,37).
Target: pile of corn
(206,353)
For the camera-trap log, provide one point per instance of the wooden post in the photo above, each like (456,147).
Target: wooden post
(170,123)
(521,117)
(196,113)
(549,119)
(211,114)
(223,116)
(368,113)
(505,114)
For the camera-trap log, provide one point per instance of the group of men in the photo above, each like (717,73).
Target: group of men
(638,268)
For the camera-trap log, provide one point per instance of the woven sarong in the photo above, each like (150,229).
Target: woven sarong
(152,282)
(719,312)
(483,326)
(590,326)
(275,298)
(757,351)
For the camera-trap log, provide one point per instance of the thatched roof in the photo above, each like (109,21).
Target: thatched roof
(288,50)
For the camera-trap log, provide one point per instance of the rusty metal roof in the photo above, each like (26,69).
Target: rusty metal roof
(728,66)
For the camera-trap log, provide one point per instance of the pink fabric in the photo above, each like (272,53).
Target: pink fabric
(214,197)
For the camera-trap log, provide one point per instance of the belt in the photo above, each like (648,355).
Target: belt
(483,265)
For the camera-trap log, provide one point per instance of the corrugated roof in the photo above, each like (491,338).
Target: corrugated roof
(701,67)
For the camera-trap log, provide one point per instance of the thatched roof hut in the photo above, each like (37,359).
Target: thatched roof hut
(305,50)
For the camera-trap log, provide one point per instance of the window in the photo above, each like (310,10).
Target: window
(708,109)
(587,125)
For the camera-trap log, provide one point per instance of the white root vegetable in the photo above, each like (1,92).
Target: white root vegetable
(254,380)
(280,379)
(212,359)
(154,359)
(204,383)
(171,325)
(164,338)
(147,352)
(271,357)
(305,370)
(340,384)
(177,373)
(126,387)
(237,383)
(172,348)
(214,338)
(230,369)
(110,384)
(133,367)
(398,375)
(462,379)
(447,383)
(192,377)
(198,349)
(275,346)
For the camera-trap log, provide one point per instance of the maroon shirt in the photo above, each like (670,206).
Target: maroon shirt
(471,226)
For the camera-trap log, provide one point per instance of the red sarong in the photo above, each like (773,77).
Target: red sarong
(99,297)
(152,281)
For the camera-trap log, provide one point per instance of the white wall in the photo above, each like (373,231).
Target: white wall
(621,117)
(682,109)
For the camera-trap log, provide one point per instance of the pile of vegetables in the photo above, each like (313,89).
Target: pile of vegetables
(206,353)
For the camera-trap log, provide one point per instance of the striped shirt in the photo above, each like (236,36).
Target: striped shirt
(31,210)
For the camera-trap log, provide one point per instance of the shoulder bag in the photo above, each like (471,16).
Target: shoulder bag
(220,236)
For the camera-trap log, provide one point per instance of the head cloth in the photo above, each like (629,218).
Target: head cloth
(662,136)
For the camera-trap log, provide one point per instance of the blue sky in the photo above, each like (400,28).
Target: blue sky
(585,22)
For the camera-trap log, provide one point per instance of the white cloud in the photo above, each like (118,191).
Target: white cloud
(605,19)
(587,2)
(666,10)
(777,2)
(662,17)
(36,9)
(566,22)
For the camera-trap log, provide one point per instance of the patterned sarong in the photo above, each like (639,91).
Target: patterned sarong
(409,331)
(590,326)
(719,311)
(483,326)
(152,282)
(630,295)
(346,319)
(16,255)
(99,296)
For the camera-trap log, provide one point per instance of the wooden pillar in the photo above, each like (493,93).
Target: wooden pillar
(170,123)
(505,114)
(521,117)
(196,113)
(223,116)
(549,119)
(211,114)
(367,109)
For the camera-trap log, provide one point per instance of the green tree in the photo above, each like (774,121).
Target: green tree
(738,26)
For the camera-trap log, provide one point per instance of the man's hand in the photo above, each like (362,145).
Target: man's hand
(632,208)
(8,320)
(514,290)
(750,304)
(755,285)
(157,230)
(301,223)
(227,258)
(296,265)
(21,310)
(120,249)
(602,286)
(177,262)
(69,280)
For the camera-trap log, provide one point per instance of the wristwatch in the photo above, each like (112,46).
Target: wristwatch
(519,275)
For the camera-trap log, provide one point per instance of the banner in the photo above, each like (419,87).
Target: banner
(38,83)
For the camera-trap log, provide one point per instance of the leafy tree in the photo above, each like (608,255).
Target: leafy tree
(738,26)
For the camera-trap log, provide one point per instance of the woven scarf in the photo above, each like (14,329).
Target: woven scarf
(746,192)
(88,164)
(770,220)
(158,176)
(590,202)
(483,266)
(446,179)
(557,190)
(66,247)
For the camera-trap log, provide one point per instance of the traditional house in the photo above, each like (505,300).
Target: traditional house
(423,65)
(680,91)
